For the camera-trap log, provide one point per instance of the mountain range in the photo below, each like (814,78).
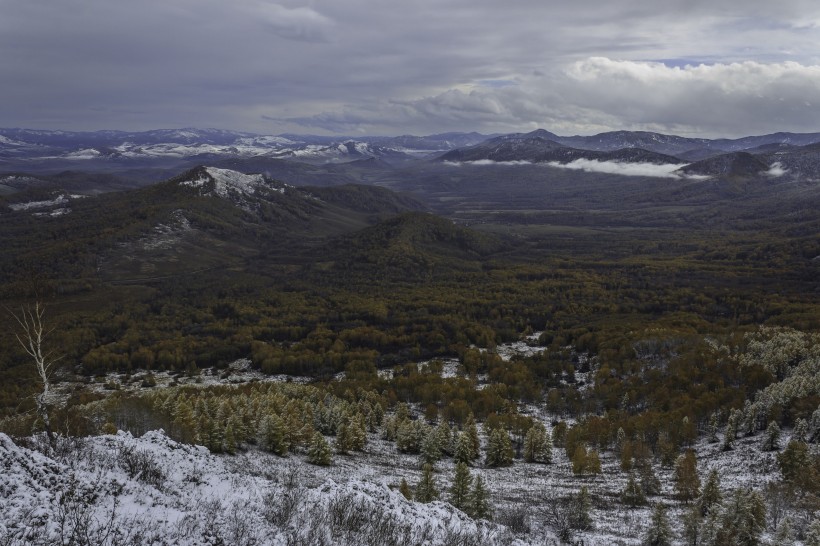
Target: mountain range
(172,150)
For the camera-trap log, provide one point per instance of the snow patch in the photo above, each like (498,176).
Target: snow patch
(33,205)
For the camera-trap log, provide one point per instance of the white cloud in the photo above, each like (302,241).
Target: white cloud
(616,167)
(421,67)
(776,170)
(487,163)
(301,23)
(733,98)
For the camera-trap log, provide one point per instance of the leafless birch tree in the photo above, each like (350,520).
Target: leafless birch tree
(32,339)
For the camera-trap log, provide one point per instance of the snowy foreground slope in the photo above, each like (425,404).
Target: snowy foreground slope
(151,490)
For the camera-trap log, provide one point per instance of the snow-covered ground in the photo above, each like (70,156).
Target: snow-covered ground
(59,200)
(192,489)
(152,490)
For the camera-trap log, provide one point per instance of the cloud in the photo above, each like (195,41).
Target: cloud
(776,170)
(717,98)
(422,67)
(599,94)
(616,167)
(301,23)
(487,163)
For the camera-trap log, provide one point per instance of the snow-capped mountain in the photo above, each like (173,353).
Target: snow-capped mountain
(65,147)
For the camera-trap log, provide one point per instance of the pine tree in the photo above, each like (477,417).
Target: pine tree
(814,426)
(426,489)
(499,449)
(390,428)
(813,534)
(711,496)
(650,484)
(620,440)
(357,433)
(229,441)
(659,532)
(536,444)
(319,451)
(410,435)
(795,463)
(471,429)
(593,462)
(784,535)
(444,438)
(430,449)
(633,495)
(801,431)
(692,527)
(581,512)
(731,430)
(184,420)
(713,428)
(404,489)
(342,442)
(272,436)
(460,490)
(463,451)
(742,519)
(479,503)
(585,461)
(687,482)
(772,439)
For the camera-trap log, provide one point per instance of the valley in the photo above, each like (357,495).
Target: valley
(201,281)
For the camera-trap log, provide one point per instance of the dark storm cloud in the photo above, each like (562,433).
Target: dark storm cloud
(397,67)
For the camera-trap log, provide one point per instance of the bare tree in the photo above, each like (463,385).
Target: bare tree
(32,339)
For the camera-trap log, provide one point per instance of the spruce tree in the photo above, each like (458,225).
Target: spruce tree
(659,532)
(771,442)
(687,482)
(471,429)
(430,449)
(814,426)
(813,534)
(426,489)
(537,445)
(499,449)
(460,489)
(319,451)
(357,433)
(742,520)
(463,451)
(650,484)
(801,431)
(784,534)
(342,442)
(479,502)
(713,428)
(633,495)
(229,441)
(692,527)
(711,496)
(581,512)
(731,430)
(272,436)
(444,437)
(620,440)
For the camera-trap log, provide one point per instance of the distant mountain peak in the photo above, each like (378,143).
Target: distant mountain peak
(224,183)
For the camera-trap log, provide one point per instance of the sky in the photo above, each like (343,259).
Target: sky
(717,68)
